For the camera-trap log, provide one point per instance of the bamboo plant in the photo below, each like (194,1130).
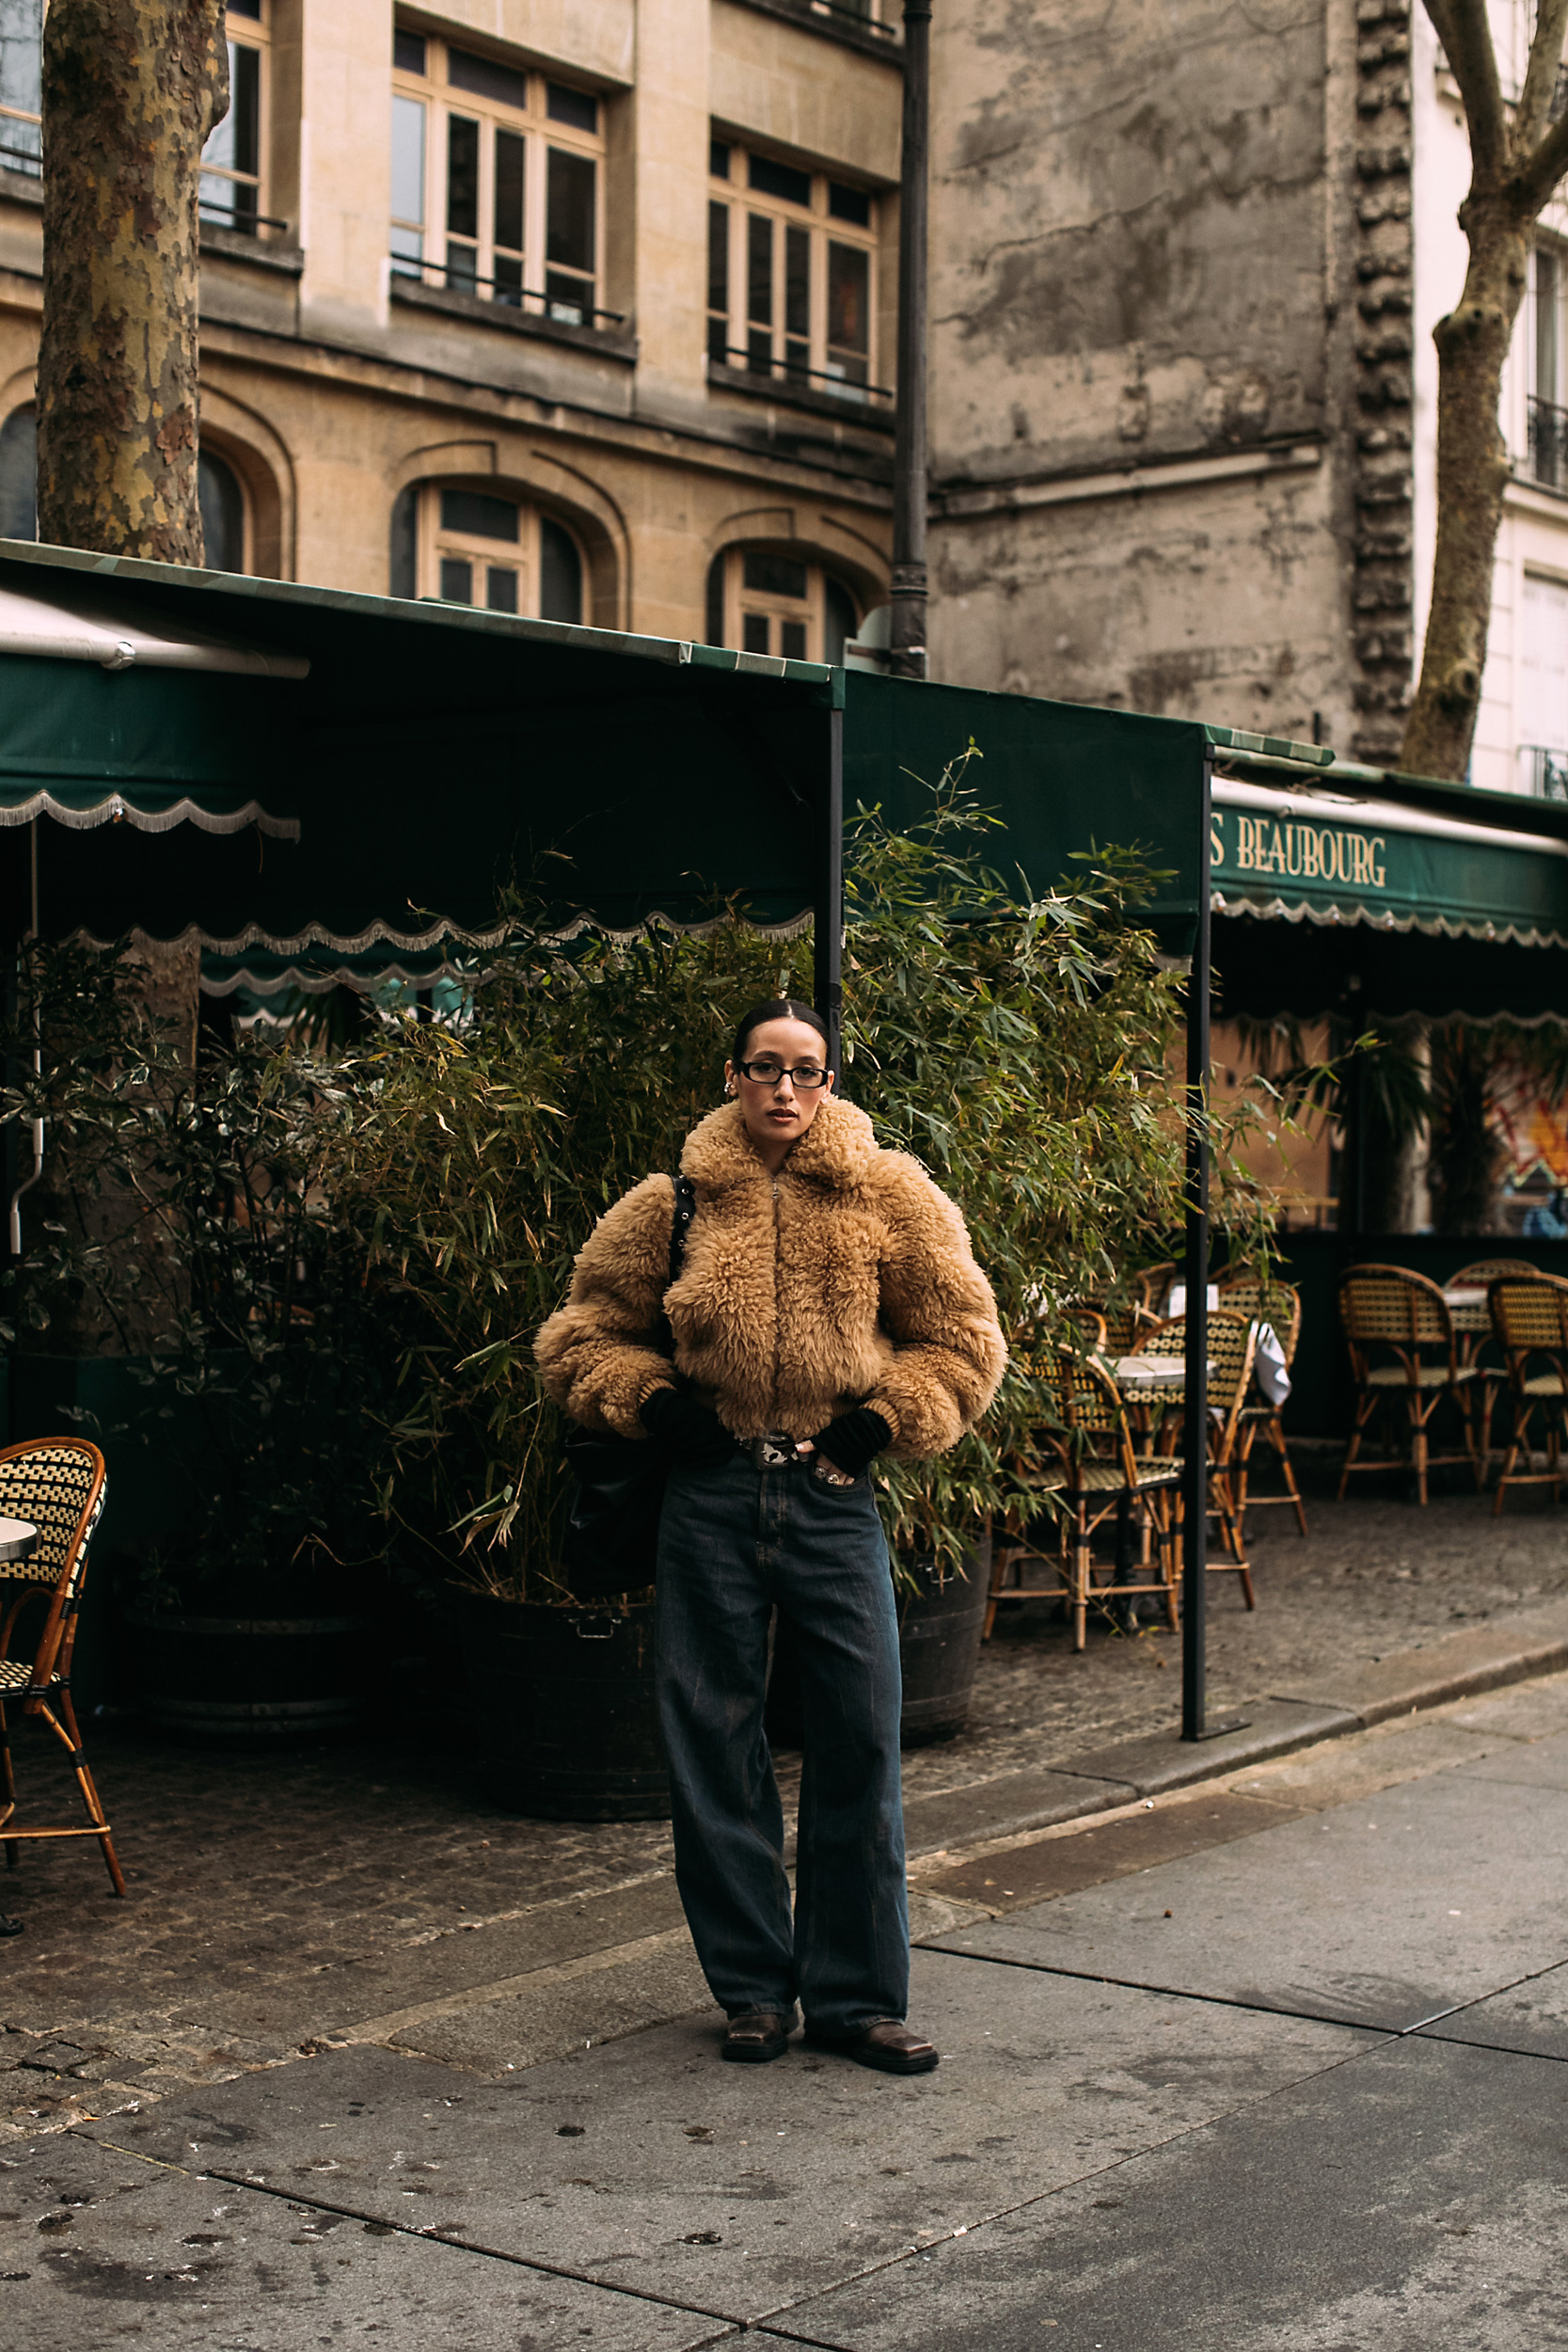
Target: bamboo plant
(1022,1052)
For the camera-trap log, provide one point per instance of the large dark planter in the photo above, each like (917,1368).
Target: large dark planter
(248,1679)
(566,1703)
(940,1624)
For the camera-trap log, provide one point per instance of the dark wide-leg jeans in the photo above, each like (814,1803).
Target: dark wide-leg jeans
(735,1543)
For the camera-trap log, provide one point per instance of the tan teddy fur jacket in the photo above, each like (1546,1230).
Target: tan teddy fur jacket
(845,1280)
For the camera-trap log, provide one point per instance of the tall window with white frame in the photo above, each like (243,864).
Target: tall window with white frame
(232,192)
(1548,414)
(496,181)
(792,275)
(20,87)
(232,175)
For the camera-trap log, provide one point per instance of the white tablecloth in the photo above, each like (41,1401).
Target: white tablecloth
(1268,1364)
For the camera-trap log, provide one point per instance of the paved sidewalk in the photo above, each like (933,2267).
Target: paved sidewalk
(1270,2062)
(281,1902)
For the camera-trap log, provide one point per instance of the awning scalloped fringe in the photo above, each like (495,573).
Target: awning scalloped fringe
(1434,926)
(445,938)
(116,809)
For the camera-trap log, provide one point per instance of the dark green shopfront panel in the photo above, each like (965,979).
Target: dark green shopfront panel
(1065,779)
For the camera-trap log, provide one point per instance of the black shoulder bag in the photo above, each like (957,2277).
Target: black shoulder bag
(611,1539)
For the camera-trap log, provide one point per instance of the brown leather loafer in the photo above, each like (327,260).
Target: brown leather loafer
(888,2045)
(757,2035)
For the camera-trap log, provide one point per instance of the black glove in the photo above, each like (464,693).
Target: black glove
(690,1433)
(852,1441)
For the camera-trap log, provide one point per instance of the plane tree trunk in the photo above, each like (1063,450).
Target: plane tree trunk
(132,89)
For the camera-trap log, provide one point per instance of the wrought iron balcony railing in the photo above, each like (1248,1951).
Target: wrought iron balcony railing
(1548,443)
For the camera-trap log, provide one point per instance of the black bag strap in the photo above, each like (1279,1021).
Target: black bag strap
(680,1224)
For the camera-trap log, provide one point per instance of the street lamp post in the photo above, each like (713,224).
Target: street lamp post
(907,631)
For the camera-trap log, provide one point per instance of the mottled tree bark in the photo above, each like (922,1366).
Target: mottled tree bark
(130,91)
(1518,157)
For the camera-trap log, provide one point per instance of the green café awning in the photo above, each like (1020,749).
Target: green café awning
(1335,889)
(417,759)
(1324,856)
(314,785)
(84,743)
(1359,894)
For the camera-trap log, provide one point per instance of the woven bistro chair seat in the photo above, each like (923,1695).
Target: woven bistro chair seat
(1105,1478)
(1403,1349)
(1418,1375)
(58,1485)
(1530,1321)
(1096,1475)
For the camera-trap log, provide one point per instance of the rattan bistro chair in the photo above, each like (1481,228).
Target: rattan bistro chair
(1233,1344)
(58,1485)
(1529,1317)
(1150,1287)
(1403,1353)
(1092,1474)
(1277,1304)
(1475,1336)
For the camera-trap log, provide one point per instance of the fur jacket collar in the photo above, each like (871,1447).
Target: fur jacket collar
(838,1148)
(845,1280)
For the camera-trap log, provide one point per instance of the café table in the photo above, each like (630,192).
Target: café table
(1146,1385)
(19,1538)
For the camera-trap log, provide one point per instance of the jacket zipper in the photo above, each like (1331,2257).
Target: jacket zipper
(775,1413)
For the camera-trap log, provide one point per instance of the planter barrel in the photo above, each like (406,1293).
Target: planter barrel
(247,1679)
(940,1626)
(566,1708)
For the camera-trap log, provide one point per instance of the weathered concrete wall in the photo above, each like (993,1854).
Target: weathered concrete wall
(1215,601)
(1128,250)
(1139,379)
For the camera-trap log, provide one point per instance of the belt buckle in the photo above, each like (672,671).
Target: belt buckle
(773,1452)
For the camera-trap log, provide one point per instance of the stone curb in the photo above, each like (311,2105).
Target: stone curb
(1347,1699)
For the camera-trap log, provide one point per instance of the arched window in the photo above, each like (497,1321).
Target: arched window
(222,504)
(19,473)
(218,494)
(483,547)
(764,602)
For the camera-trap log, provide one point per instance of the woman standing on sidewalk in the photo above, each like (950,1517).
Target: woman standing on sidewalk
(827,1309)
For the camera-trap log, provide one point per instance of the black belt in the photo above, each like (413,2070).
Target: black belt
(776,1450)
(773,1452)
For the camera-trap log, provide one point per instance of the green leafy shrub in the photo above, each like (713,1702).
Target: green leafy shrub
(181,1223)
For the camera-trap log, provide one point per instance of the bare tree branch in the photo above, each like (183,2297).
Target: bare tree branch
(1463,28)
(1538,176)
(1546,64)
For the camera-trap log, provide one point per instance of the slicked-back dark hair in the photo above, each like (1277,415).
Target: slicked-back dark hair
(776,1008)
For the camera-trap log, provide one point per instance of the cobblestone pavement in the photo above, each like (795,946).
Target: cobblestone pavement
(276,1902)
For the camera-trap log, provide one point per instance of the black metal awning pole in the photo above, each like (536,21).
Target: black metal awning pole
(827,899)
(1195,1435)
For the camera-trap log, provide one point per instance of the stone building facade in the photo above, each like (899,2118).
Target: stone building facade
(580,308)
(1186,263)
